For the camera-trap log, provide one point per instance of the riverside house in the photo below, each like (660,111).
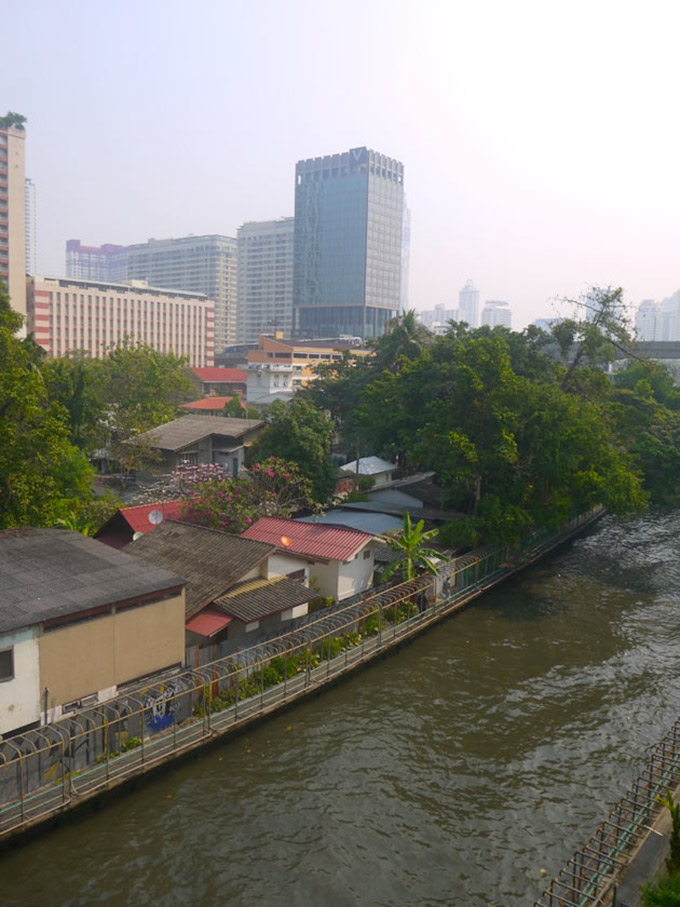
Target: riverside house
(232,592)
(334,560)
(78,619)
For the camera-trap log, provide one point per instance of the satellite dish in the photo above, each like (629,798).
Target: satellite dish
(137,535)
(155,517)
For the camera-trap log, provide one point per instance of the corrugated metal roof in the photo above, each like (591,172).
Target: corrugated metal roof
(138,516)
(217,374)
(210,404)
(258,598)
(48,573)
(209,622)
(310,539)
(375,523)
(369,466)
(190,429)
(211,561)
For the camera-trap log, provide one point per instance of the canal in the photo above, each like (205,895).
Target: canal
(452,772)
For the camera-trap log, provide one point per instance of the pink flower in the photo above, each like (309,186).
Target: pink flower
(248,520)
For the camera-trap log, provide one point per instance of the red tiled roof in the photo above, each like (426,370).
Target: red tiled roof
(209,403)
(209,621)
(309,539)
(138,517)
(235,375)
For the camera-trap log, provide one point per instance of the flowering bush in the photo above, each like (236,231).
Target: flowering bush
(213,498)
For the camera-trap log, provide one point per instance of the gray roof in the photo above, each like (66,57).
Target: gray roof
(211,561)
(190,429)
(375,523)
(369,466)
(429,514)
(48,573)
(258,598)
(419,486)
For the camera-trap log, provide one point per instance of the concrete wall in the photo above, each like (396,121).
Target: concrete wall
(20,697)
(90,656)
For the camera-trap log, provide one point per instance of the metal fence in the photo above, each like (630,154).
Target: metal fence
(593,873)
(49,769)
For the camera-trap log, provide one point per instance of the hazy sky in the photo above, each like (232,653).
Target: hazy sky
(539,137)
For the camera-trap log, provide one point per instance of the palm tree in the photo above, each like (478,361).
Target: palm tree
(413,555)
(404,336)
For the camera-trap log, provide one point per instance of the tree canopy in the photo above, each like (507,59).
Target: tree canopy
(523,430)
(41,471)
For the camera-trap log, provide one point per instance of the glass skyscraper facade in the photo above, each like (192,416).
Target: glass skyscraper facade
(348,244)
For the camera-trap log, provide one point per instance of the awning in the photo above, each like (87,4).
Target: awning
(209,622)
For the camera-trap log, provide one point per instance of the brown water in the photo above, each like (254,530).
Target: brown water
(450,772)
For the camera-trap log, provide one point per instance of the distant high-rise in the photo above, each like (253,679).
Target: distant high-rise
(670,318)
(199,264)
(405,258)
(648,321)
(13,213)
(496,314)
(438,318)
(348,252)
(31,227)
(265,278)
(108,262)
(468,304)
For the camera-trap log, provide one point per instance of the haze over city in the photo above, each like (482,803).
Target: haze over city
(538,139)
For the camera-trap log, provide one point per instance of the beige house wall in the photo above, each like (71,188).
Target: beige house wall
(83,658)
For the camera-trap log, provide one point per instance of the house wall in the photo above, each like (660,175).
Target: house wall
(342,579)
(20,697)
(284,565)
(95,655)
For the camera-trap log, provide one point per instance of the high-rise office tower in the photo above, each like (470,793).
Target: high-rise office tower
(496,314)
(349,211)
(31,227)
(468,304)
(13,212)
(265,278)
(108,262)
(199,264)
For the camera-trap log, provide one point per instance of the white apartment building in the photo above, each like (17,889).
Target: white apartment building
(648,321)
(496,313)
(468,304)
(197,264)
(66,315)
(437,319)
(265,278)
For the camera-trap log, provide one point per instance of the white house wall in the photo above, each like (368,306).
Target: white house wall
(283,565)
(357,575)
(20,697)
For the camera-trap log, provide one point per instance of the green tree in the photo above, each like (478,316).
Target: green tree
(413,556)
(302,434)
(40,470)
(663,893)
(404,338)
(234,409)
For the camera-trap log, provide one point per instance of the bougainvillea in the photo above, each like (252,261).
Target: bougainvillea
(213,498)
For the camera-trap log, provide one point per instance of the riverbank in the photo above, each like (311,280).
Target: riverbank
(122,742)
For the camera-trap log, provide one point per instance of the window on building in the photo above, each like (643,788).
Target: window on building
(7,664)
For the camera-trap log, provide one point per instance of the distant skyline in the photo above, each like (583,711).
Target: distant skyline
(538,139)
